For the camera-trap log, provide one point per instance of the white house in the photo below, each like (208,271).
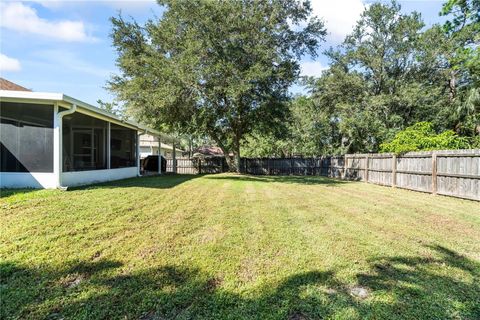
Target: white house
(51,140)
(149,145)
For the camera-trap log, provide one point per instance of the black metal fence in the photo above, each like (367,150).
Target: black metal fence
(197,165)
(323,166)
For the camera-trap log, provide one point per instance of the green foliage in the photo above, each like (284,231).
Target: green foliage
(463,27)
(422,137)
(462,30)
(220,69)
(469,114)
(390,74)
(475,142)
(380,80)
(112,107)
(307,133)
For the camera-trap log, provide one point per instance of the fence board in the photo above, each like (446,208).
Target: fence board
(452,172)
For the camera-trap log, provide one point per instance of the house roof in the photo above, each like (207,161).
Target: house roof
(8,85)
(83,107)
(209,151)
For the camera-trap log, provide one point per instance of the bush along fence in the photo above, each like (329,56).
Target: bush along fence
(451,172)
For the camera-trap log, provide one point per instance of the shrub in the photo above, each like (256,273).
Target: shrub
(422,137)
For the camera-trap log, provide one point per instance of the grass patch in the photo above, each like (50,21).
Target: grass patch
(230,247)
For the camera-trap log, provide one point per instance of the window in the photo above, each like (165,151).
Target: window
(26,137)
(123,142)
(84,143)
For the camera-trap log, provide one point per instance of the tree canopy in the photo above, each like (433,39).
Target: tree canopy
(217,68)
(389,74)
(222,70)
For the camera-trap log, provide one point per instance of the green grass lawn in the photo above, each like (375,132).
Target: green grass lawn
(230,247)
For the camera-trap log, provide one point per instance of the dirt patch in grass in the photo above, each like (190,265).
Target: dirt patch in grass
(72,280)
(211,234)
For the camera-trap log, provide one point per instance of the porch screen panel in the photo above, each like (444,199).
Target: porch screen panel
(84,143)
(123,142)
(26,137)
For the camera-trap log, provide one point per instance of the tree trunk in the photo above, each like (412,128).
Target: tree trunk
(230,162)
(452,86)
(236,153)
(237,160)
(190,147)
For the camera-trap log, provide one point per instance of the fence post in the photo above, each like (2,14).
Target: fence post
(434,172)
(174,157)
(366,168)
(159,154)
(344,166)
(330,168)
(291,166)
(394,171)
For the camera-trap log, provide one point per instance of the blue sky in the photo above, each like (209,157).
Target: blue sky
(64,46)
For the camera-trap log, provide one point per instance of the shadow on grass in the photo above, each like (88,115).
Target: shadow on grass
(308,180)
(155,182)
(4,193)
(395,288)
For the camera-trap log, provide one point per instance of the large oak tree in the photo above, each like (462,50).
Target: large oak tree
(217,68)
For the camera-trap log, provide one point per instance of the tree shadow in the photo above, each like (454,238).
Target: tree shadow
(307,180)
(166,181)
(7,192)
(28,292)
(398,287)
(444,286)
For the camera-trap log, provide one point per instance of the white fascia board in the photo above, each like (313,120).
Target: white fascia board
(48,97)
(169,147)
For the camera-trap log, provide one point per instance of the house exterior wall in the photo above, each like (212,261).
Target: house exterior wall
(149,146)
(146,151)
(57,177)
(41,180)
(77,178)
(36,180)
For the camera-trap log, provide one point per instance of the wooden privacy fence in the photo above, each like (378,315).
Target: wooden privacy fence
(453,172)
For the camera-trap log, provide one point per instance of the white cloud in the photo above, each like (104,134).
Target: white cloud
(9,64)
(131,5)
(311,68)
(127,5)
(22,18)
(340,16)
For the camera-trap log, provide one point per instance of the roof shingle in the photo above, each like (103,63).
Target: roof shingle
(8,85)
